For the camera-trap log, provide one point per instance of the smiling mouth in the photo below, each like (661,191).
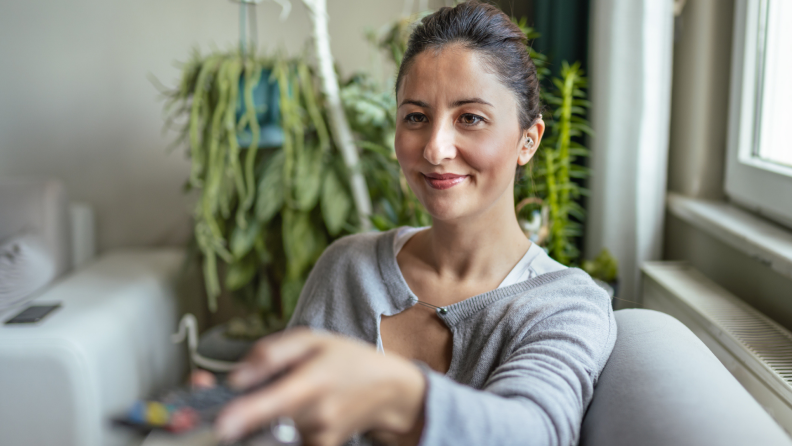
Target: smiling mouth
(444,181)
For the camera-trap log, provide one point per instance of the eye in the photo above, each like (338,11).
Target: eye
(414,118)
(470,119)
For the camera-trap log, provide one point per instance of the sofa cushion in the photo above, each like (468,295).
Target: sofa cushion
(26,266)
(41,207)
(662,386)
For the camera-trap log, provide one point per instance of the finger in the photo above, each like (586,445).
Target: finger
(274,354)
(323,422)
(284,398)
(202,379)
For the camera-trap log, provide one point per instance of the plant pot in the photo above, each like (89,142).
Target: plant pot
(214,344)
(215,351)
(266,101)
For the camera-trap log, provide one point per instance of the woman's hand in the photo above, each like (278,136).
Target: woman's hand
(334,388)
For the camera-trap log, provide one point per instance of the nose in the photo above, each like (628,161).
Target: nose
(441,145)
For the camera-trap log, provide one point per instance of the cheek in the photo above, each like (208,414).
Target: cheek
(491,155)
(408,146)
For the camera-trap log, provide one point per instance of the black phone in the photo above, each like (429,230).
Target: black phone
(33,313)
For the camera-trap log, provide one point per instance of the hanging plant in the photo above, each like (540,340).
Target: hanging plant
(264,213)
(275,184)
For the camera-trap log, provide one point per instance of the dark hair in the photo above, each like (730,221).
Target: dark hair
(487,30)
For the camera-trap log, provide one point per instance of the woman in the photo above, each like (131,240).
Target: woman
(486,340)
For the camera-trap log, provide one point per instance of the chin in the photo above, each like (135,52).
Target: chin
(446,208)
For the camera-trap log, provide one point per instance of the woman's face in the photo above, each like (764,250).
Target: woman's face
(458,137)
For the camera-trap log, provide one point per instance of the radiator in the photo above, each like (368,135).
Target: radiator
(757,350)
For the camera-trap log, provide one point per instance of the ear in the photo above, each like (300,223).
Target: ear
(529,142)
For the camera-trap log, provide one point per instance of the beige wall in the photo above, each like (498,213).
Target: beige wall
(700,98)
(75,102)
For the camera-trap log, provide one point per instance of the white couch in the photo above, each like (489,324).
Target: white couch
(62,379)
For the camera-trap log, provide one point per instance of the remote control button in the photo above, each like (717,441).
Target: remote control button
(137,413)
(157,414)
(183,420)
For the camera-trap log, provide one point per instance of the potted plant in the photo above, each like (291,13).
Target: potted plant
(605,269)
(273,179)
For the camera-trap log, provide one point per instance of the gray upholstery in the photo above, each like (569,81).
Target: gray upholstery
(663,387)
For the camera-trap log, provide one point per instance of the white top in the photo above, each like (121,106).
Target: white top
(535,262)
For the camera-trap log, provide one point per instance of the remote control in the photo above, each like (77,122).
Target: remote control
(178,411)
(182,410)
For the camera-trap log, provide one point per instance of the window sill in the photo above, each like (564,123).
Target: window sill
(760,239)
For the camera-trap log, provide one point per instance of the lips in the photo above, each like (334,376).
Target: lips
(444,180)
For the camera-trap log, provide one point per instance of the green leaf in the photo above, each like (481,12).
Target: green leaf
(270,189)
(335,203)
(239,274)
(242,239)
(307,178)
(264,294)
(290,294)
(301,242)
(380,222)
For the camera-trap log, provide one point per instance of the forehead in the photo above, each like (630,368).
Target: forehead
(452,73)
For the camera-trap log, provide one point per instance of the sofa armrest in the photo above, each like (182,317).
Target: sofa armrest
(62,379)
(41,206)
(662,386)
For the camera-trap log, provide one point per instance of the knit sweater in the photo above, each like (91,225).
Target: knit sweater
(525,357)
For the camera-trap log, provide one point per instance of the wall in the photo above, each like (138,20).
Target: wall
(75,102)
(700,98)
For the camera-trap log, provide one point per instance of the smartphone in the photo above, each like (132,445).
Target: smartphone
(33,313)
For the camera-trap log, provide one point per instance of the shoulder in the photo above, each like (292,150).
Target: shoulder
(569,284)
(568,291)
(557,296)
(344,284)
(353,248)
(567,304)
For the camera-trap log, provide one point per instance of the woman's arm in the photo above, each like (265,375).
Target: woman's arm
(537,396)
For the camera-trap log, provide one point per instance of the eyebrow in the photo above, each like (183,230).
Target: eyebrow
(470,101)
(454,104)
(414,102)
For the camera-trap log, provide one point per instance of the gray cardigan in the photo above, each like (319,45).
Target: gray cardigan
(525,357)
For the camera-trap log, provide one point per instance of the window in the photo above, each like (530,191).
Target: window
(759,163)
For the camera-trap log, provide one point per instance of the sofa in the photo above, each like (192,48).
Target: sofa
(663,387)
(63,378)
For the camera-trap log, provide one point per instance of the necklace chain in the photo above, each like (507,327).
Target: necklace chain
(442,310)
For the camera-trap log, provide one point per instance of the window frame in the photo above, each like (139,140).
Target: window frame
(759,185)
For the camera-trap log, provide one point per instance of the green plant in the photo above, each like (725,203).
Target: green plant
(603,267)
(263,215)
(555,163)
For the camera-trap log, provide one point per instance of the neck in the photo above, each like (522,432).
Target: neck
(483,247)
